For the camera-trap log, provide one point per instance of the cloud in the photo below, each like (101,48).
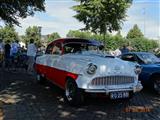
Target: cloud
(146,16)
(59,18)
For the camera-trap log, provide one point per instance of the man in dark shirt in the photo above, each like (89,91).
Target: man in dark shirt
(7,49)
(124,49)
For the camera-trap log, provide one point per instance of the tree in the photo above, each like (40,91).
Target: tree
(143,44)
(32,33)
(53,36)
(80,34)
(135,32)
(11,10)
(101,16)
(116,41)
(8,33)
(119,34)
(112,42)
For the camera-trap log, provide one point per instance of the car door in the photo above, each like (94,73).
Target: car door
(43,61)
(55,72)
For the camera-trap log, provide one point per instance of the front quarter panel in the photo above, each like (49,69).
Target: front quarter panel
(147,72)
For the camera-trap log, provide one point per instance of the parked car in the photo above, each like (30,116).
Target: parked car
(79,65)
(150,75)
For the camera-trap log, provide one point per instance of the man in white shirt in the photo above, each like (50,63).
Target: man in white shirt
(31,53)
(117,52)
(14,47)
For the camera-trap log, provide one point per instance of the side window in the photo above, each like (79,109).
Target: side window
(72,48)
(139,60)
(68,49)
(57,49)
(49,49)
(129,57)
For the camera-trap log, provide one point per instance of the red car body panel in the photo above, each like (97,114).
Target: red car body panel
(56,76)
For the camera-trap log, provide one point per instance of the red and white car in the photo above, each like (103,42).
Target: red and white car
(79,65)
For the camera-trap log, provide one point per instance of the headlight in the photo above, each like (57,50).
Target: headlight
(138,69)
(91,69)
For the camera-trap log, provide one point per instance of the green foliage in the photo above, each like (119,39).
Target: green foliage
(101,16)
(32,33)
(10,10)
(143,44)
(79,34)
(117,41)
(114,42)
(8,33)
(22,38)
(53,36)
(135,32)
(111,42)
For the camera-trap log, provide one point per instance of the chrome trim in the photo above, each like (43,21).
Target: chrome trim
(104,91)
(134,88)
(112,80)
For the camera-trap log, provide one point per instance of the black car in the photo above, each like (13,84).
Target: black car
(150,74)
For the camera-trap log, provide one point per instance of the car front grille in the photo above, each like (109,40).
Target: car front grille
(112,80)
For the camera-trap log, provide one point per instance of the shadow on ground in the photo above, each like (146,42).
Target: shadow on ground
(23,98)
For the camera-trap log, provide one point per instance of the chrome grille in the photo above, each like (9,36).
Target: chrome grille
(112,80)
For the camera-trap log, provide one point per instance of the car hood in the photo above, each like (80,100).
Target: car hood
(151,66)
(106,64)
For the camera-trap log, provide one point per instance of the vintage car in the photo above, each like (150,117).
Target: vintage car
(80,66)
(150,75)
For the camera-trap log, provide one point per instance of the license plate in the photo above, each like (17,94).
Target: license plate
(118,95)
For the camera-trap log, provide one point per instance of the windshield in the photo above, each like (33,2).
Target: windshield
(81,47)
(149,58)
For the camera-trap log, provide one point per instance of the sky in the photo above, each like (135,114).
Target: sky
(59,18)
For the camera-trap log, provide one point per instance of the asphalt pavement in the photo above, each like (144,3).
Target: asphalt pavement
(21,98)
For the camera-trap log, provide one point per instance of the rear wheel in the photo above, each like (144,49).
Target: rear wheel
(156,86)
(40,79)
(73,95)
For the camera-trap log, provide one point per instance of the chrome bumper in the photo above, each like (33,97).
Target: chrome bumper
(107,89)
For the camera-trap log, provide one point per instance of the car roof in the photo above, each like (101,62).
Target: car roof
(77,40)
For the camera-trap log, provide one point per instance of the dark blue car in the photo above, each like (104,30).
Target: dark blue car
(150,74)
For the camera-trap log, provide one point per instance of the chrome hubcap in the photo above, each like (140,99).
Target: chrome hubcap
(157,87)
(69,91)
(69,98)
(38,77)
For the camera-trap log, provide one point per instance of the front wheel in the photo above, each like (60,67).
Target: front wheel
(73,95)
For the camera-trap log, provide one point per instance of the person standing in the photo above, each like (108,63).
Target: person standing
(1,52)
(15,47)
(124,49)
(117,52)
(7,49)
(31,53)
